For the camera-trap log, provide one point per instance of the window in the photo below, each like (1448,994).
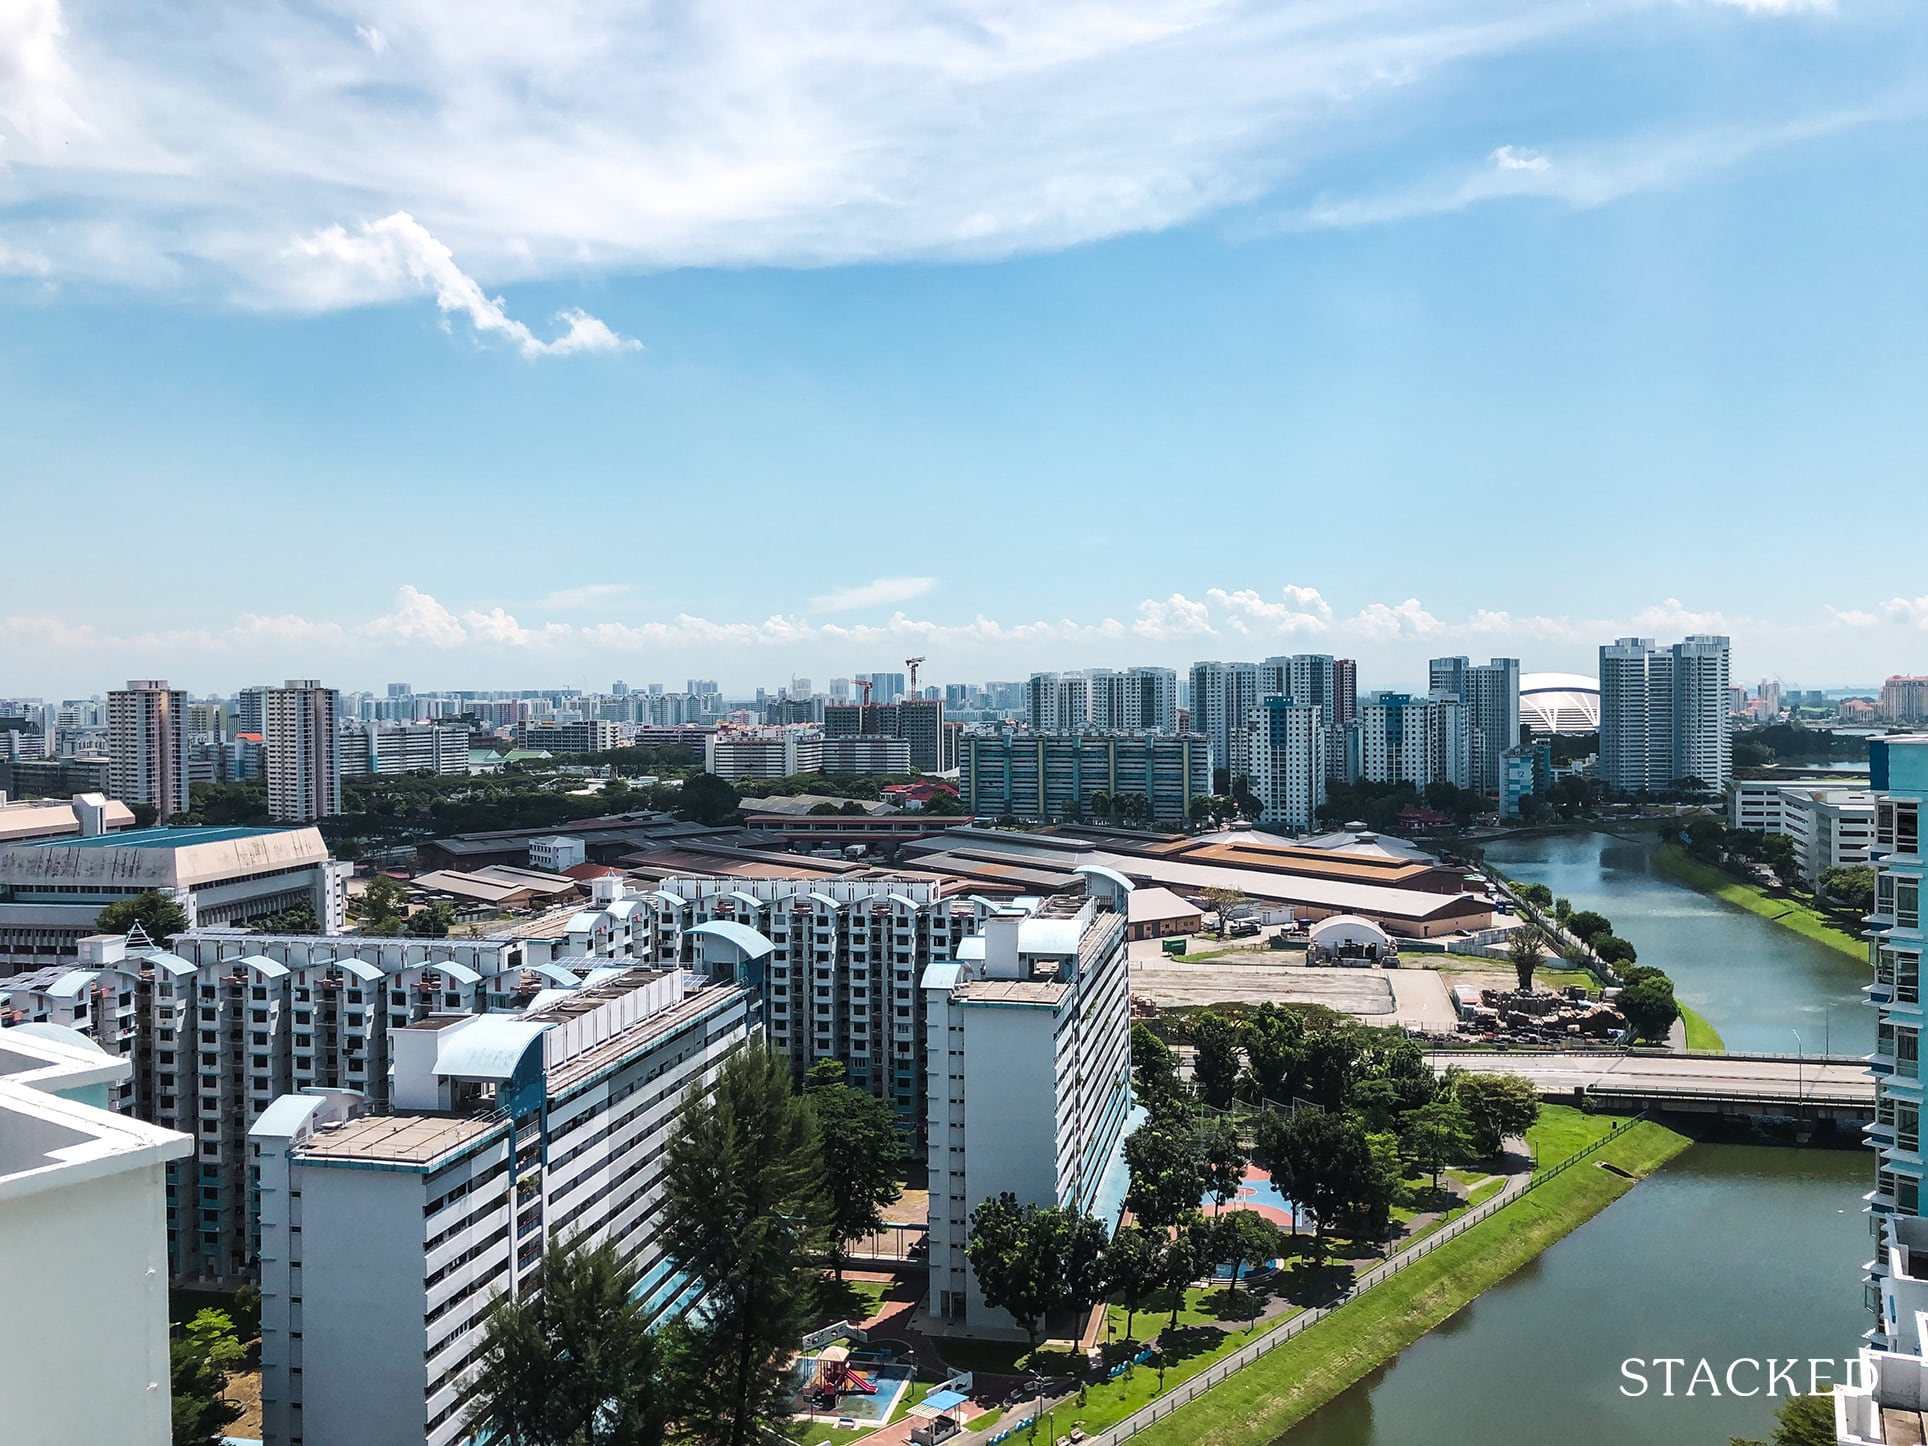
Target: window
(1907,903)
(1907,1125)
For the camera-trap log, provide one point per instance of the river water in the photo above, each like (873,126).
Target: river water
(1731,1251)
(1756,982)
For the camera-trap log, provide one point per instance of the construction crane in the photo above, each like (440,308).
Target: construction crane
(863,683)
(912,663)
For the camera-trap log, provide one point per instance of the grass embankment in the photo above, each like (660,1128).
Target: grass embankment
(1805,920)
(1701,1034)
(1283,1387)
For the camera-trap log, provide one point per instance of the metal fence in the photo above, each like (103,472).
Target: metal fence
(1290,1329)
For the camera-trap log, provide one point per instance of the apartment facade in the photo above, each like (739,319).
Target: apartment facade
(301,741)
(1491,693)
(1831,827)
(1223,696)
(404,748)
(1663,714)
(763,752)
(584,735)
(919,722)
(1047,776)
(147,738)
(1286,757)
(1122,700)
(1029,1071)
(1898,776)
(1420,741)
(505,1133)
(1904,700)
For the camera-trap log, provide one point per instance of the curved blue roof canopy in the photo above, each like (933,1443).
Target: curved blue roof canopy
(490,1048)
(753,944)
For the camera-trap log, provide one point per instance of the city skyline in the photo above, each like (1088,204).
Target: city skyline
(1504,323)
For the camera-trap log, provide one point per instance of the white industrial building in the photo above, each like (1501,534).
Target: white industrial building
(85,815)
(1029,1070)
(504,1132)
(83,1337)
(52,890)
(1831,826)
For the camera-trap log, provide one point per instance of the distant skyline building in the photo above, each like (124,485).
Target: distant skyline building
(1223,696)
(1663,714)
(1904,700)
(147,738)
(919,722)
(302,751)
(1047,776)
(1407,739)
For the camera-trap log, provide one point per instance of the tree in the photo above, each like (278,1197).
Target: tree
(1779,853)
(1222,902)
(1167,1174)
(1178,1267)
(298,920)
(1328,1065)
(1649,1006)
(1031,1260)
(1273,1040)
(1437,1135)
(1245,1237)
(1801,1421)
(1562,910)
(1101,805)
(380,906)
(1331,1166)
(861,1149)
(433,922)
(159,915)
(200,1361)
(1132,1269)
(1611,949)
(744,1208)
(1538,895)
(1224,1163)
(1496,1105)
(1850,886)
(1523,953)
(1587,926)
(573,1364)
(944,804)
(1154,1070)
(707,799)
(1215,1059)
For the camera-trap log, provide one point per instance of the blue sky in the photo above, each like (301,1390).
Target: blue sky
(514,346)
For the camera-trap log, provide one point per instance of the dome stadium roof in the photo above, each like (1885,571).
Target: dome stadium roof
(1559,703)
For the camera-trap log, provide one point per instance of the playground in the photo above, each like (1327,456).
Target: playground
(850,1387)
(1257,1193)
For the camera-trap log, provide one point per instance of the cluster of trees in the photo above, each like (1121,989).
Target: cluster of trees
(1378,805)
(1566,798)
(1847,889)
(382,909)
(1598,942)
(865,786)
(1646,995)
(763,1184)
(1347,1110)
(1793,743)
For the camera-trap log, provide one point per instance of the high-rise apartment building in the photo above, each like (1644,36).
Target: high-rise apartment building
(919,722)
(1125,700)
(1491,693)
(404,748)
(1663,714)
(1223,696)
(1048,776)
(1904,700)
(1420,741)
(505,1133)
(1345,691)
(250,712)
(1286,754)
(1060,702)
(147,730)
(1029,1071)
(303,751)
(1895,1290)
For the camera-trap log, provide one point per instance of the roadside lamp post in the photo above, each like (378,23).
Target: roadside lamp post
(1800,1088)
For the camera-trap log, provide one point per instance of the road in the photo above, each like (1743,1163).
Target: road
(1733,1076)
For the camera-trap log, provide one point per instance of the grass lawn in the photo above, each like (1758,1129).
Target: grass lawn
(1562,1130)
(984,1422)
(1543,978)
(1701,1034)
(1810,923)
(851,1300)
(1282,1388)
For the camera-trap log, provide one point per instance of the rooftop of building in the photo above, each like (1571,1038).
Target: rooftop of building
(400,1139)
(1011,991)
(795,804)
(162,837)
(28,819)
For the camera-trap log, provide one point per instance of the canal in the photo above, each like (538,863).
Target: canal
(1756,982)
(1730,1251)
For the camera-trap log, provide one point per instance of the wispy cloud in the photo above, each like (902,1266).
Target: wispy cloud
(1778,7)
(396,255)
(881,592)
(197,145)
(1584,176)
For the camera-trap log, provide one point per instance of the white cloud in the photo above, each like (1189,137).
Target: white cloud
(1176,617)
(1587,176)
(880,592)
(396,255)
(1673,616)
(538,143)
(570,598)
(1519,158)
(1854,617)
(1912,611)
(1381,621)
(1248,613)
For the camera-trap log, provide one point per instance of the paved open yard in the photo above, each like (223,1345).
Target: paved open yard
(1413,997)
